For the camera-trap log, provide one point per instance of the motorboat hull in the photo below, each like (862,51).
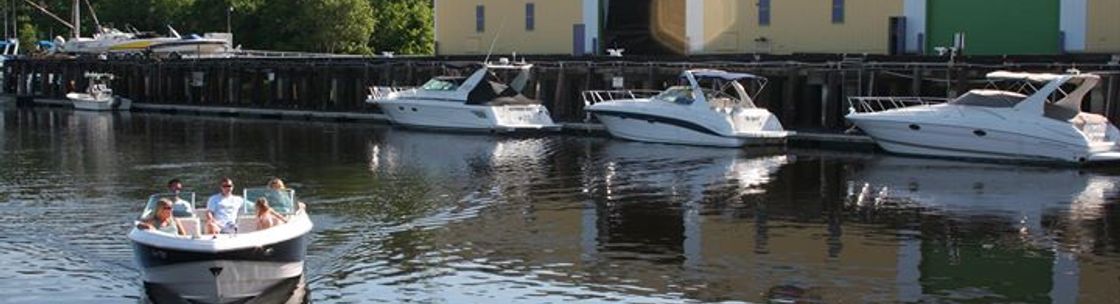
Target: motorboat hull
(673,130)
(84,101)
(223,276)
(955,139)
(456,116)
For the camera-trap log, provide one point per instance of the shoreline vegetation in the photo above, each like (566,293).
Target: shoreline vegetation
(327,26)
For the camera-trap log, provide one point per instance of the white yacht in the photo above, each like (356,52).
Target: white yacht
(480,102)
(710,108)
(1035,119)
(98,96)
(224,268)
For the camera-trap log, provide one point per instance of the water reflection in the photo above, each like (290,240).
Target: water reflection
(429,217)
(1026,224)
(288,291)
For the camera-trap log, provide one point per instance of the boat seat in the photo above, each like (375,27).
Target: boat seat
(190,225)
(246,224)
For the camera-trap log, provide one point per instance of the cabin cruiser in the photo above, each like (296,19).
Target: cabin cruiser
(1035,119)
(98,96)
(480,102)
(222,268)
(110,40)
(709,108)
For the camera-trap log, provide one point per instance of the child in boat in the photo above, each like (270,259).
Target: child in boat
(266,217)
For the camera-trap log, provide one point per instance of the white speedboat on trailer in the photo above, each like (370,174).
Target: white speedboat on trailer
(98,96)
(223,268)
(710,108)
(481,102)
(1034,119)
(114,41)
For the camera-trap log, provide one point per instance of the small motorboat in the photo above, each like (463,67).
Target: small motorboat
(484,102)
(223,268)
(98,96)
(1019,117)
(709,108)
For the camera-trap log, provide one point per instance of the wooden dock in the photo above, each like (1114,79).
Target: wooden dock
(808,92)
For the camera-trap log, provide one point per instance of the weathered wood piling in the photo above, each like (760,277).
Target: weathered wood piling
(807,92)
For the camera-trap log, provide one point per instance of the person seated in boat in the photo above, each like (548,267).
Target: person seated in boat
(281,201)
(182,207)
(210,226)
(162,220)
(266,217)
(224,206)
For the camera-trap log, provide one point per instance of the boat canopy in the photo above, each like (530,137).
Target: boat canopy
(730,76)
(989,98)
(1037,77)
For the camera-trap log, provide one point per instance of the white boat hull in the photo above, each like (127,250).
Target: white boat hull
(955,139)
(236,281)
(685,130)
(84,101)
(449,115)
(223,268)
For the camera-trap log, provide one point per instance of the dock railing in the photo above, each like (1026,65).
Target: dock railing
(596,96)
(381,93)
(878,104)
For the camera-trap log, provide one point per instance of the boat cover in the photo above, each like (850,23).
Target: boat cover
(497,94)
(722,75)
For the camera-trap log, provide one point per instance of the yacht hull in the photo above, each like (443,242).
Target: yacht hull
(671,130)
(957,140)
(450,115)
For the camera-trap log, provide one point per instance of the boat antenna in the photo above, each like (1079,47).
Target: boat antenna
(495,41)
(94,16)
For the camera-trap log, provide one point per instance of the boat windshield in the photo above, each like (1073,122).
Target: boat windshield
(676,94)
(282,201)
(442,84)
(989,98)
(187,197)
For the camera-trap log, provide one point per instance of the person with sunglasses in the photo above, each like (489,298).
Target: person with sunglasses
(162,220)
(224,206)
(182,207)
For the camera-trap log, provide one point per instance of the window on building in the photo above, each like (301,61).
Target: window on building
(479,18)
(837,11)
(530,16)
(763,12)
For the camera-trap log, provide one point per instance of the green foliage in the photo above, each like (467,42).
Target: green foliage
(335,26)
(403,27)
(28,36)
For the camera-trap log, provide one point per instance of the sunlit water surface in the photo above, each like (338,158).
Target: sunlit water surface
(405,216)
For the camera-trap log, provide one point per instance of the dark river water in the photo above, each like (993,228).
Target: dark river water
(405,216)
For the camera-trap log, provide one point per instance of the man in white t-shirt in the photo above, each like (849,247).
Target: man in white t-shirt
(182,208)
(224,206)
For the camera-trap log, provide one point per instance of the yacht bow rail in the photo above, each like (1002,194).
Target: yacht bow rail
(878,104)
(382,93)
(596,96)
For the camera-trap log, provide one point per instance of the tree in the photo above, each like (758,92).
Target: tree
(331,26)
(403,26)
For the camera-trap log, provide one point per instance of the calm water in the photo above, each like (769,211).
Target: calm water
(406,216)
